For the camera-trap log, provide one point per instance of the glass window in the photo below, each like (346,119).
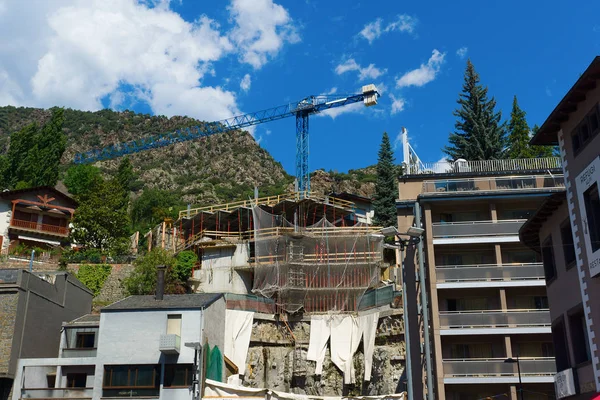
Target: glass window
(174,324)
(178,375)
(131,376)
(592,211)
(576,141)
(566,236)
(85,340)
(579,337)
(559,337)
(76,380)
(548,259)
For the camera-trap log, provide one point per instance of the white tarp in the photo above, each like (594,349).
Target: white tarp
(319,336)
(238,329)
(217,390)
(346,332)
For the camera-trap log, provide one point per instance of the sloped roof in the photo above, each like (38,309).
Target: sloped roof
(169,302)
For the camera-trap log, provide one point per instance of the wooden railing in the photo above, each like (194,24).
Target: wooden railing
(34,226)
(270,200)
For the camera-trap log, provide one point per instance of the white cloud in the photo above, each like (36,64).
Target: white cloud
(373,30)
(462,52)
(79,53)
(424,74)
(397,104)
(262,28)
(246,82)
(368,72)
(398,139)
(349,109)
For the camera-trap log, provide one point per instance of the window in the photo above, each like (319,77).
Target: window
(131,376)
(76,380)
(579,337)
(51,380)
(468,304)
(566,237)
(541,302)
(559,338)
(548,260)
(85,340)
(472,350)
(587,129)
(174,324)
(592,211)
(178,375)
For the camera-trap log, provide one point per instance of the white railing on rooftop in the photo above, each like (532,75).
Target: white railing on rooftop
(483,166)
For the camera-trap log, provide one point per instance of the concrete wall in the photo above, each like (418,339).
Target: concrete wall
(218,275)
(5,215)
(8,314)
(214,326)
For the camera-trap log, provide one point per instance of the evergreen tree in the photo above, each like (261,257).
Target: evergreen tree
(384,203)
(21,144)
(125,174)
(518,134)
(479,134)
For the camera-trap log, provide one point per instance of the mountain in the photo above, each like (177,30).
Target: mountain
(220,168)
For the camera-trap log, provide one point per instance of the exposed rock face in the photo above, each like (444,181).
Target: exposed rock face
(274,362)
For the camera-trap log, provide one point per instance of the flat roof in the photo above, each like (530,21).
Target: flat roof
(547,134)
(169,301)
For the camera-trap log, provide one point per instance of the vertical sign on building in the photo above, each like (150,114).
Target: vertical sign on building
(588,185)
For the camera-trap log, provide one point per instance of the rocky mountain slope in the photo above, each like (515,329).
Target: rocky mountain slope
(219,168)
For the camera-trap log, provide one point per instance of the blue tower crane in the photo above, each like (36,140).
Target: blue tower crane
(301,109)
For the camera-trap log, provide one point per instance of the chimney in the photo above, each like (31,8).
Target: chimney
(160,282)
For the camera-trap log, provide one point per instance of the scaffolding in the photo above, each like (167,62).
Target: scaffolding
(307,255)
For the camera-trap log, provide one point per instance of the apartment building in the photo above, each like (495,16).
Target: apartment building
(139,347)
(566,231)
(489,318)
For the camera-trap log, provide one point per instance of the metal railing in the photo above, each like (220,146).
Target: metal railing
(494,319)
(489,272)
(477,228)
(75,352)
(494,183)
(57,393)
(269,200)
(483,166)
(34,226)
(481,367)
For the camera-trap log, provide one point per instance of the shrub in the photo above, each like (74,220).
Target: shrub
(94,276)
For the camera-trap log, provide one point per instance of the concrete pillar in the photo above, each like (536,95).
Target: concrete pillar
(493,213)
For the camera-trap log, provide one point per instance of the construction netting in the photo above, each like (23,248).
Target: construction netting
(325,266)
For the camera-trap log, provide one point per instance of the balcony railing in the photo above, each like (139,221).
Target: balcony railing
(493,183)
(484,166)
(494,319)
(34,226)
(477,228)
(489,272)
(82,352)
(482,367)
(57,393)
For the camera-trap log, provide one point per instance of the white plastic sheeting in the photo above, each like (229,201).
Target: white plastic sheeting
(346,332)
(217,390)
(238,329)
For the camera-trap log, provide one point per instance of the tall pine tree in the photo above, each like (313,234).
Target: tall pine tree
(518,134)
(479,134)
(384,203)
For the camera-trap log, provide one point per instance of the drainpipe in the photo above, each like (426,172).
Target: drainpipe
(160,282)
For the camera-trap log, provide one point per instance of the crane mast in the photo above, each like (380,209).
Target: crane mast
(300,109)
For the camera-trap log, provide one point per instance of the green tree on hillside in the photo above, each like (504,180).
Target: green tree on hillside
(142,279)
(80,178)
(543,151)
(384,203)
(518,133)
(479,134)
(152,207)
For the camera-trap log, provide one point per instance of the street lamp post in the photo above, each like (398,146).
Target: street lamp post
(513,361)
(196,384)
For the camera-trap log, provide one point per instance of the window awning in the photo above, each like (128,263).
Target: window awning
(34,239)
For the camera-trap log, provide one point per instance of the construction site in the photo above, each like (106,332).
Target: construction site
(310,270)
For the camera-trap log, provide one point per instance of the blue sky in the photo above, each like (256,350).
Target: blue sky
(213,59)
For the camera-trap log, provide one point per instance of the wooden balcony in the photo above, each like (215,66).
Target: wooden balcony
(32,226)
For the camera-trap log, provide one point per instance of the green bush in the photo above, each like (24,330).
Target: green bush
(184,263)
(94,276)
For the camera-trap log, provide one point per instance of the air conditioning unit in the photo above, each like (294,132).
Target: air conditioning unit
(169,344)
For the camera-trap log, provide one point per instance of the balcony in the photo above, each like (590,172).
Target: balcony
(57,393)
(489,275)
(169,344)
(504,183)
(531,165)
(33,226)
(79,352)
(507,227)
(496,367)
(460,322)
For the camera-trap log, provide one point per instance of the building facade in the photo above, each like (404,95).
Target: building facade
(35,217)
(139,347)
(489,317)
(32,309)
(566,231)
